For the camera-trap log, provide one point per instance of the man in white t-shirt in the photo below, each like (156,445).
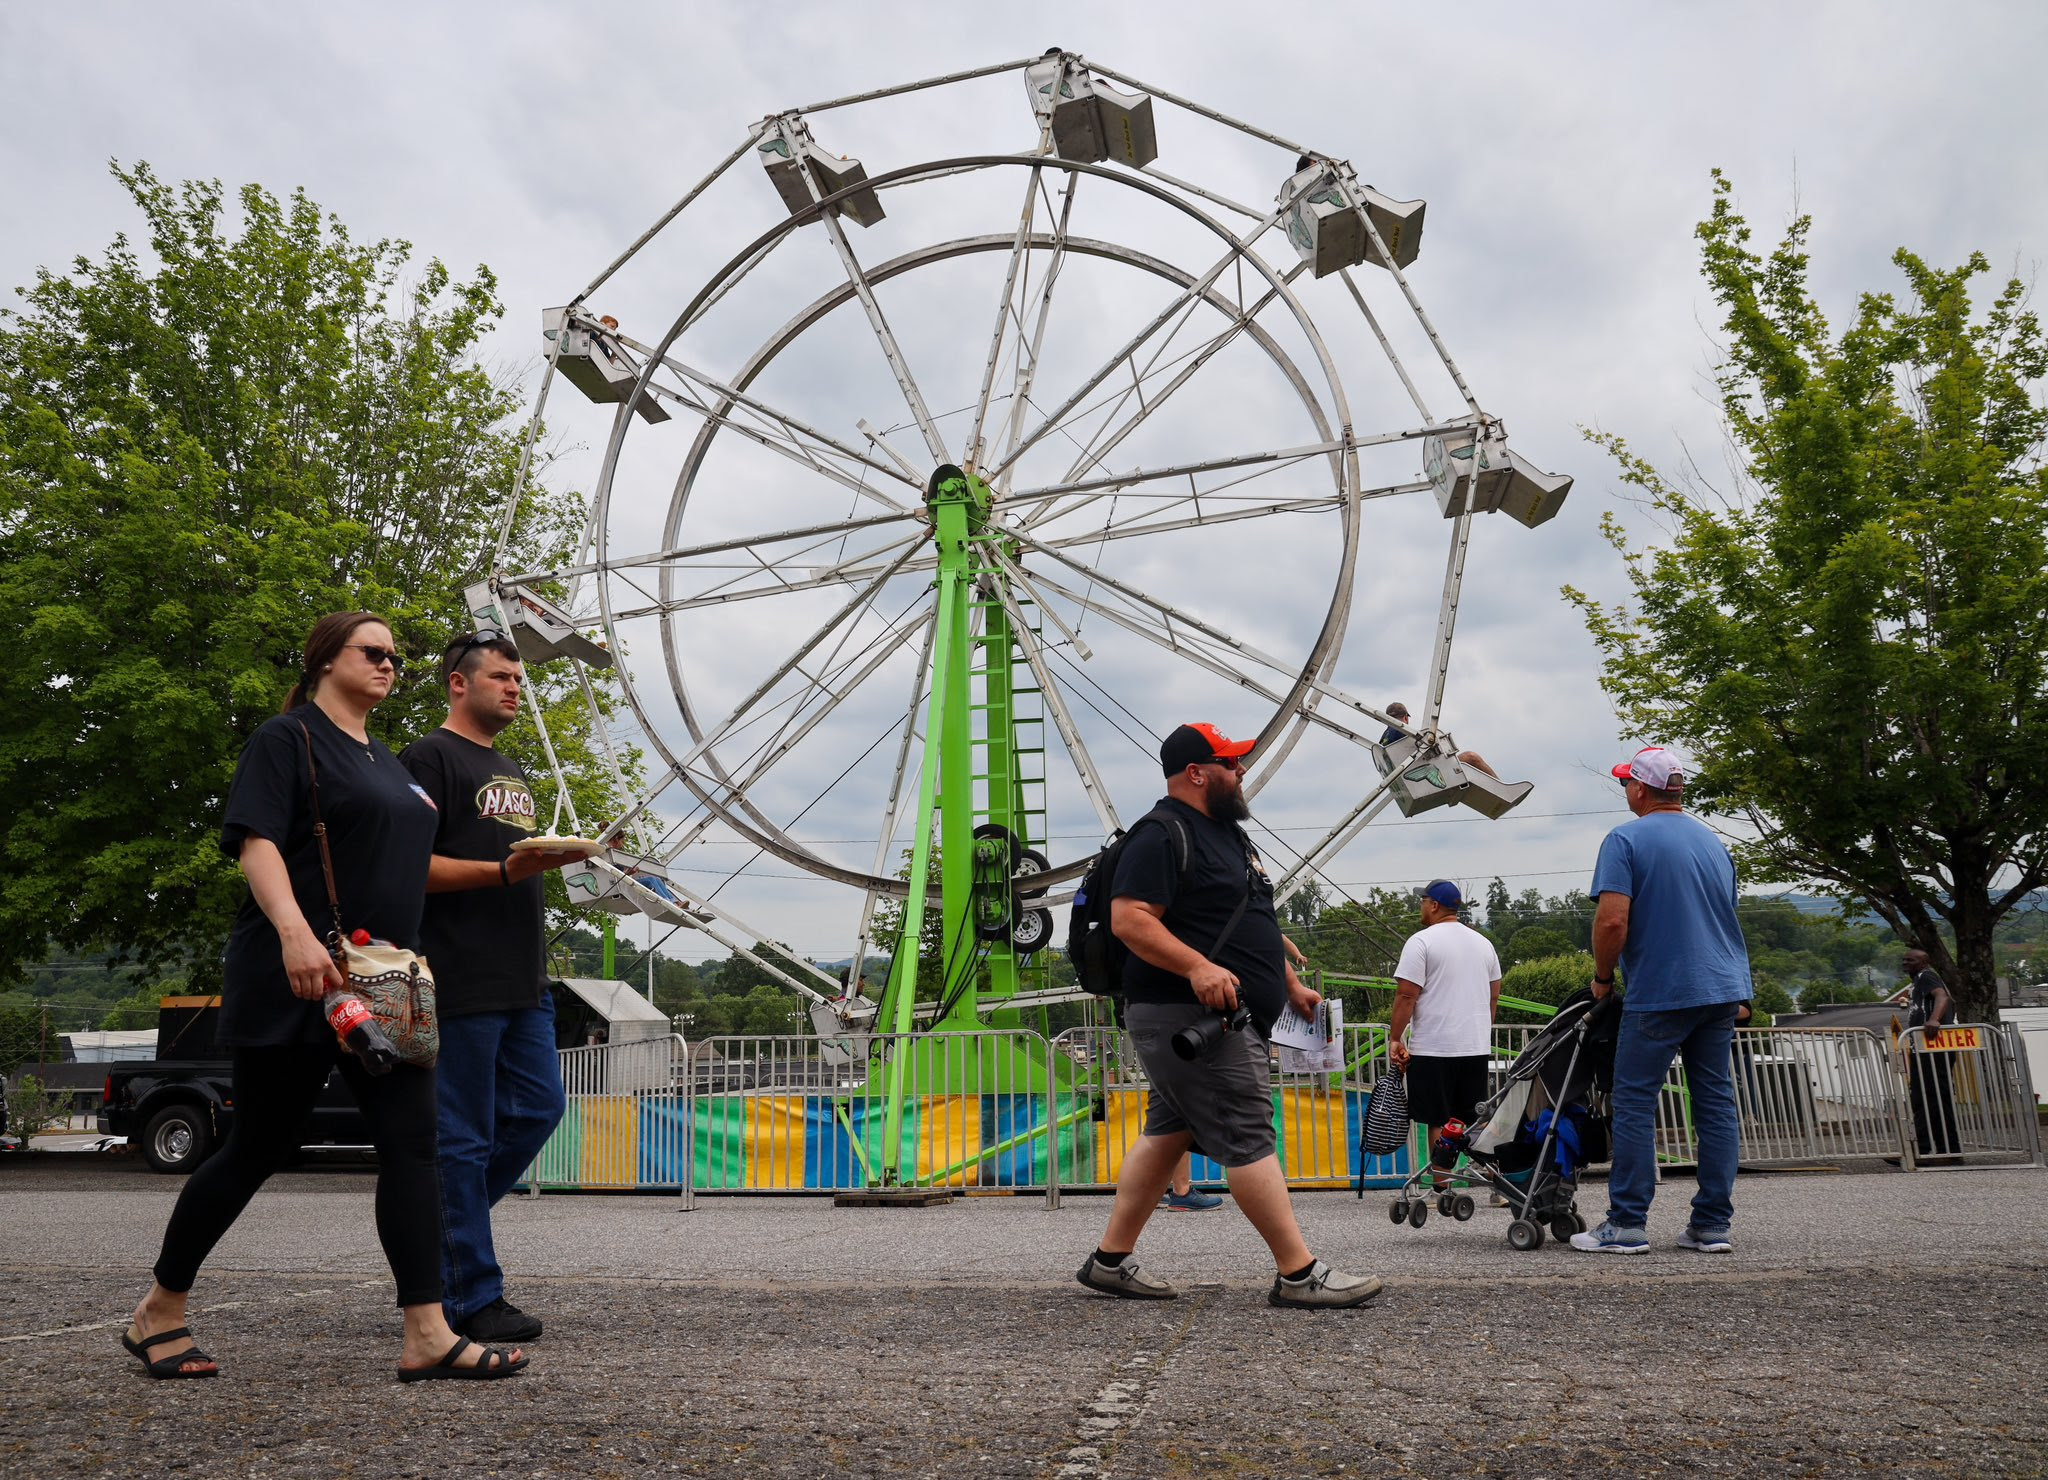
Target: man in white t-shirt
(1449,980)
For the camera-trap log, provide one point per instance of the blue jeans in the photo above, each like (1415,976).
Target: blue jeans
(500,1099)
(1649,1042)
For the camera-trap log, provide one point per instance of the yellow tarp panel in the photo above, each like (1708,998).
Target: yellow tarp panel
(1315,1147)
(610,1141)
(948,1133)
(775,1142)
(1117,1132)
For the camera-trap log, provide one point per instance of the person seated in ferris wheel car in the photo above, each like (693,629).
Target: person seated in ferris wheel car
(1398,712)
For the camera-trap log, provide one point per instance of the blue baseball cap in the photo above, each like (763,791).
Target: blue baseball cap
(1445,893)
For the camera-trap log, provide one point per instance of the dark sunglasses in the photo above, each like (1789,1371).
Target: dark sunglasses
(1227,762)
(482,637)
(377,657)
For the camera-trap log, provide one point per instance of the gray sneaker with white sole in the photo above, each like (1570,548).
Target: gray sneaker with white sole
(1125,1280)
(1325,1288)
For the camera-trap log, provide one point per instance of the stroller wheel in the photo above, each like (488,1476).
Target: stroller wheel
(1397,1212)
(1418,1214)
(1446,1203)
(1464,1207)
(1565,1224)
(1524,1235)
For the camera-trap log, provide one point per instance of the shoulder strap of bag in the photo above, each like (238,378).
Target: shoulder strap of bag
(1242,899)
(320,836)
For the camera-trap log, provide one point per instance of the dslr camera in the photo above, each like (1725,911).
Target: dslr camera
(1199,1038)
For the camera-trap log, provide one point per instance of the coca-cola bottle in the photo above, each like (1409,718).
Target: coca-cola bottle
(356,1027)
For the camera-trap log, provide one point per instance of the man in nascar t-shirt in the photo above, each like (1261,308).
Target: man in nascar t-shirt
(500,1080)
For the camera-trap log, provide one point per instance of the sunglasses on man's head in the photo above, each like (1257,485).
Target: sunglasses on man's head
(482,637)
(377,657)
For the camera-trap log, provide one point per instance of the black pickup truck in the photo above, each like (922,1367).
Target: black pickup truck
(178,1106)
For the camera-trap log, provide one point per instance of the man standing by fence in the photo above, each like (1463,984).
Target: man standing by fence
(1665,892)
(1448,985)
(500,1081)
(1934,1103)
(1192,902)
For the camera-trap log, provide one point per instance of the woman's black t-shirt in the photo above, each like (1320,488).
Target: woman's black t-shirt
(380,830)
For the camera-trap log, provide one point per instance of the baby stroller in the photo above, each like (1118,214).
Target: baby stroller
(1529,1139)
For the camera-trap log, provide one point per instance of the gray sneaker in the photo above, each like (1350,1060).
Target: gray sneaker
(1125,1280)
(1608,1239)
(1325,1287)
(1703,1242)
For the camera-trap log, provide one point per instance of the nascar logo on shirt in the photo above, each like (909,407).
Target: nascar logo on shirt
(508,800)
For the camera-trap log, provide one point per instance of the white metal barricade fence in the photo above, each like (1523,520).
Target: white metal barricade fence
(1316,1113)
(624,1125)
(1801,1095)
(792,1114)
(1006,1110)
(1966,1090)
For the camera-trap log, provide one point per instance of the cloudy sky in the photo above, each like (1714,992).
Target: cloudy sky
(1563,152)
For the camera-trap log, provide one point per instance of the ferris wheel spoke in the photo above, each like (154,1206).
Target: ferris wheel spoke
(1147,522)
(1239,248)
(892,811)
(1159,621)
(861,599)
(1028,359)
(1190,363)
(781,432)
(886,337)
(827,532)
(830,690)
(846,573)
(1006,315)
(1150,521)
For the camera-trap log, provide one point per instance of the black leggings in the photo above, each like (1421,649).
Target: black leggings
(274,1093)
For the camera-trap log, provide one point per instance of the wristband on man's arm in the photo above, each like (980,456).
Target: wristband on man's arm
(1603,981)
(504,874)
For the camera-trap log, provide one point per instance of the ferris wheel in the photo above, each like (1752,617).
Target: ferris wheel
(964,468)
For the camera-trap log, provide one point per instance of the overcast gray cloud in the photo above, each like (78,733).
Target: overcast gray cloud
(1563,152)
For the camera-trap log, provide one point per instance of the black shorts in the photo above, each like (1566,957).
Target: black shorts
(1444,1089)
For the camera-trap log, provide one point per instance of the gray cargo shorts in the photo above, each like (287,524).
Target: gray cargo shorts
(1223,1099)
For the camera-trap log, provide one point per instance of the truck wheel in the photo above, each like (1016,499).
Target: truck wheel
(177,1138)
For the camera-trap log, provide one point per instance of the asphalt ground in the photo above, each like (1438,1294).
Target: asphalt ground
(1864,1324)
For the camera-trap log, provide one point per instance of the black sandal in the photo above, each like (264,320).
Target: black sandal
(494,1363)
(172,1366)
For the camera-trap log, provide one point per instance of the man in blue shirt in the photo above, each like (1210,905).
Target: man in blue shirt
(1665,892)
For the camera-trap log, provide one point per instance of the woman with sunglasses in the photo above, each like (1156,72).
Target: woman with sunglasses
(380,831)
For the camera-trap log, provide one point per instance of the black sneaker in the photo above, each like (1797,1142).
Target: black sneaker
(500,1322)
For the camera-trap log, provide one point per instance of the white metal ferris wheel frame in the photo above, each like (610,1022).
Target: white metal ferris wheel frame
(1301,692)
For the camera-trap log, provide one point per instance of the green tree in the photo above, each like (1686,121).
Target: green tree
(1533,943)
(1851,641)
(202,448)
(1549,979)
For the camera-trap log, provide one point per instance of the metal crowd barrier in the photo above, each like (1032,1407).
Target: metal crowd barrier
(625,1125)
(1006,1110)
(1317,1115)
(1966,1089)
(981,1111)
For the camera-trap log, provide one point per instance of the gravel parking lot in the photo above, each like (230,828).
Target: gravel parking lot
(1882,1323)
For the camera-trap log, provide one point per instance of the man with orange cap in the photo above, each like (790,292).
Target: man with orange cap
(1207,977)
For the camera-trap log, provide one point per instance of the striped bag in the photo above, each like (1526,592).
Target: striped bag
(1386,1115)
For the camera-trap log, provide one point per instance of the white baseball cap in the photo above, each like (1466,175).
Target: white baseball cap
(1656,767)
